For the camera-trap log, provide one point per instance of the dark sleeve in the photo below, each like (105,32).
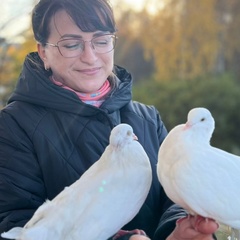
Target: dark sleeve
(162,131)
(168,222)
(21,187)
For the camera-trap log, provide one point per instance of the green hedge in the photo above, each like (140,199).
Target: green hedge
(174,99)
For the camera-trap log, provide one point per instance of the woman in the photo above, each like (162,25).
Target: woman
(57,122)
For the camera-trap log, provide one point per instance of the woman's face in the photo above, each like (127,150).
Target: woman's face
(84,73)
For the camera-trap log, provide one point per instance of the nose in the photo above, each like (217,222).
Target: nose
(88,54)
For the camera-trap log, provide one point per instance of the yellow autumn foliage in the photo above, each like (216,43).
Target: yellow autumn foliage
(12,58)
(183,38)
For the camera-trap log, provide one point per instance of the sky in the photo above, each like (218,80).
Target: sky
(135,4)
(15,15)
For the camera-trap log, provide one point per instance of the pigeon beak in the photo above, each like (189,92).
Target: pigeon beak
(187,126)
(135,137)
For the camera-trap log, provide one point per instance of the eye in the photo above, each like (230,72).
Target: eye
(101,41)
(71,44)
(129,133)
(202,119)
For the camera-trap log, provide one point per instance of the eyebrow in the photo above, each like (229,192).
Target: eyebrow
(96,34)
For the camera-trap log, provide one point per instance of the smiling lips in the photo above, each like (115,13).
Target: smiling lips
(90,71)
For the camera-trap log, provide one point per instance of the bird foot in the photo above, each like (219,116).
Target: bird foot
(124,232)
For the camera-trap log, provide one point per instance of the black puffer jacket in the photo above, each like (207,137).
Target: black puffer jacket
(48,138)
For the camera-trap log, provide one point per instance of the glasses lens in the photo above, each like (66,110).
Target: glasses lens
(71,47)
(74,47)
(104,44)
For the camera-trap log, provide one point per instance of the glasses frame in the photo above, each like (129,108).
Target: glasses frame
(84,41)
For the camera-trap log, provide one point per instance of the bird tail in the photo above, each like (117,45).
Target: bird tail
(14,233)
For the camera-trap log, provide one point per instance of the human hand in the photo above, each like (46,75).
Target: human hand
(137,235)
(194,228)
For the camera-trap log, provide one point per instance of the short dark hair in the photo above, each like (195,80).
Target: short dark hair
(89,16)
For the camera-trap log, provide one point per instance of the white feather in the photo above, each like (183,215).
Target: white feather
(107,196)
(202,179)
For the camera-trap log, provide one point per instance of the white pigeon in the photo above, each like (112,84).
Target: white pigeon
(197,176)
(107,196)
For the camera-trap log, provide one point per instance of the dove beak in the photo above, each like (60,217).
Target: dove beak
(135,137)
(187,126)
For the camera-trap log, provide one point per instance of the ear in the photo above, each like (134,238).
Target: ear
(42,54)
(41,51)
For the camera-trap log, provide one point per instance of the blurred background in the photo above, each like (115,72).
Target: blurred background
(182,54)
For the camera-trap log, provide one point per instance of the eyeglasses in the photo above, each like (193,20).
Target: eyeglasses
(73,47)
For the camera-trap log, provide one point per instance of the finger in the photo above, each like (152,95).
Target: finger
(205,225)
(184,227)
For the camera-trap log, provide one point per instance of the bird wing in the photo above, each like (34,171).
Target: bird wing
(171,152)
(14,233)
(121,187)
(208,181)
(46,213)
(117,181)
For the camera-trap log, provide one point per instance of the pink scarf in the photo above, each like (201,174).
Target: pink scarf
(95,99)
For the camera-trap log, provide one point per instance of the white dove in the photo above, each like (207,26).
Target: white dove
(106,197)
(202,179)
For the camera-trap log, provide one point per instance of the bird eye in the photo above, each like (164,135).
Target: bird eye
(129,133)
(203,119)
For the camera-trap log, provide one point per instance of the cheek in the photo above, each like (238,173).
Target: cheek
(62,70)
(56,60)
(109,61)
(61,65)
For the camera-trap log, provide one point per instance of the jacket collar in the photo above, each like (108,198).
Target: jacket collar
(34,87)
